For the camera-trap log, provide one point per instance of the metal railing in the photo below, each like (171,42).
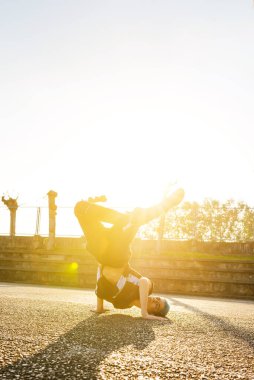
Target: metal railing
(183,223)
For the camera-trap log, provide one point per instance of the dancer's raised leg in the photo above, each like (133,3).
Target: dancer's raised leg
(142,216)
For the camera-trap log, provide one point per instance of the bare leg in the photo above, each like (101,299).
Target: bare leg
(142,216)
(121,235)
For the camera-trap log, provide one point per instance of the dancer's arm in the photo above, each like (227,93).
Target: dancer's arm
(100,305)
(144,287)
(100,301)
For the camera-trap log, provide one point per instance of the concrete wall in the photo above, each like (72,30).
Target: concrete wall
(141,246)
(25,259)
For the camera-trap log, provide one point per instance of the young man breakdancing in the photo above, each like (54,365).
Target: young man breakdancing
(117,282)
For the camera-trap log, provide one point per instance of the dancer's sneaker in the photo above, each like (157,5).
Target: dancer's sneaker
(101,198)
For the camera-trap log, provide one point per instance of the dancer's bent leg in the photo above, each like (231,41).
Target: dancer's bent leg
(98,236)
(85,212)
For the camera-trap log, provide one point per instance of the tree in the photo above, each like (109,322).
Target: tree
(209,221)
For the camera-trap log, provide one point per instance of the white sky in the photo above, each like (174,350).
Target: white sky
(122,97)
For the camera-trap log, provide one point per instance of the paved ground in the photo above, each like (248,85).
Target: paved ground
(50,333)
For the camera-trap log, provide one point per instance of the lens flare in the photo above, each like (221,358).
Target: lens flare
(74,266)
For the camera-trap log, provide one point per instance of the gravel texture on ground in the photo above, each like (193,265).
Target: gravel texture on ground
(50,333)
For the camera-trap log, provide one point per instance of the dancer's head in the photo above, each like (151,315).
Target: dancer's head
(158,306)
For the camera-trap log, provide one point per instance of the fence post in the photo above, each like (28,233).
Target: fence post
(52,219)
(38,222)
(12,205)
(161,229)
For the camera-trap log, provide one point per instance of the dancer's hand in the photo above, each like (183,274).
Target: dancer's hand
(154,317)
(101,311)
(100,306)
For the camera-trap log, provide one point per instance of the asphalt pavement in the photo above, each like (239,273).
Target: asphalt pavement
(52,333)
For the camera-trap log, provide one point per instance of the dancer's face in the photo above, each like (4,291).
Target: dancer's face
(155,305)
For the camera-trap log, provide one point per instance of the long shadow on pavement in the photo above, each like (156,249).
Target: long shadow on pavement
(78,353)
(235,331)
